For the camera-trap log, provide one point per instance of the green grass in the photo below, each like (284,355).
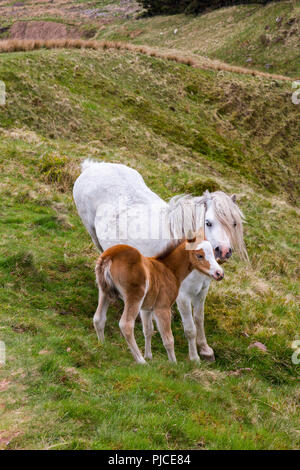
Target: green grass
(182,128)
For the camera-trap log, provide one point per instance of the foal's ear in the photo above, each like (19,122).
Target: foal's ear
(201,234)
(233,198)
(191,237)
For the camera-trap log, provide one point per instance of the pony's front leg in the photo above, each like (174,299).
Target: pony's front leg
(206,352)
(185,310)
(148,330)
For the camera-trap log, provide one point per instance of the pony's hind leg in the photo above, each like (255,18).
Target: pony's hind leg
(163,320)
(148,330)
(100,314)
(126,324)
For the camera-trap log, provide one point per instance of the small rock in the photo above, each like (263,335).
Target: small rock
(268,66)
(68,349)
(258,345)
(175,31)
(249,59)
(278,19)
(43,351)
(264,39)
(63,312)
(201,444)
(291,21)
(238,372)
(4,384)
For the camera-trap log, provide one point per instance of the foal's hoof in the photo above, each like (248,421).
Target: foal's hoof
(208,357)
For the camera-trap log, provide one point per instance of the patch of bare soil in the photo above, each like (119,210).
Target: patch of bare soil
(6,437)
(42,30)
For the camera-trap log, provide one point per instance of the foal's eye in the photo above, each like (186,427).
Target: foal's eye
(208,223)
(200,256)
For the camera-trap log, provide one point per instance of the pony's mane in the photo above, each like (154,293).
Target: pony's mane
(185,213)
(228,213)
(168,250)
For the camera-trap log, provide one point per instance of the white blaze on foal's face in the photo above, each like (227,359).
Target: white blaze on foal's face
(204,260)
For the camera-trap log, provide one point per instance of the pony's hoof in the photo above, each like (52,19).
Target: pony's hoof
(207,353)
(142,362)
(208,357)
(149,357)
(195,359)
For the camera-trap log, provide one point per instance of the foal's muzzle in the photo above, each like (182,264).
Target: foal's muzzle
(218,275)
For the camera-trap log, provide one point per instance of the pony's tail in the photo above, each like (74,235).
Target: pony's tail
(104,279)
(87,163)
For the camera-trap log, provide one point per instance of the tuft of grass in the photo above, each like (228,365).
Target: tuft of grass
(60,170)
(21,261)
(198,186)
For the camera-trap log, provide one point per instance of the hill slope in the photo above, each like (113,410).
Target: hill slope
(260,37)
(185,130)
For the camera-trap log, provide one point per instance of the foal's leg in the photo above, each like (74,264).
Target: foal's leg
(206,352)
(148,330)
(163,320)
(185,308)
(126,324)
(100,314)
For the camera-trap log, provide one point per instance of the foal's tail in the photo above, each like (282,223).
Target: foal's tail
(104,279)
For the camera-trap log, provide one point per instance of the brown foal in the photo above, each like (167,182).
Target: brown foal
(150,284)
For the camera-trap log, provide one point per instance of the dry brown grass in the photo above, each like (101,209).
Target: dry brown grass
(16,45)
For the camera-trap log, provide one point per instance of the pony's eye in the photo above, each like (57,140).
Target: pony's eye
(234,224)
(208,223)
(199,256)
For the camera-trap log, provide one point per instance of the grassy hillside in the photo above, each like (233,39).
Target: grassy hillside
(184,129)
(254,36)
(261,37)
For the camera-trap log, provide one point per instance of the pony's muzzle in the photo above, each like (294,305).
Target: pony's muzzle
(222,254)
(218,275)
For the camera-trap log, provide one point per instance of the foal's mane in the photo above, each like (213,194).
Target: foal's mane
(168,250)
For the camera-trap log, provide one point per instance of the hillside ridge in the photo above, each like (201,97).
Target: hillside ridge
(196,61)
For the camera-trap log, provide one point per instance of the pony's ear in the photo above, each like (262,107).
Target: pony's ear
(191,237)
(233,198)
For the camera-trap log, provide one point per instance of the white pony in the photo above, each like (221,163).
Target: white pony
(116,206)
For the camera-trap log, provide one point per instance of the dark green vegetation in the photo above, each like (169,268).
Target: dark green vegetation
(182,128)
(169,7)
